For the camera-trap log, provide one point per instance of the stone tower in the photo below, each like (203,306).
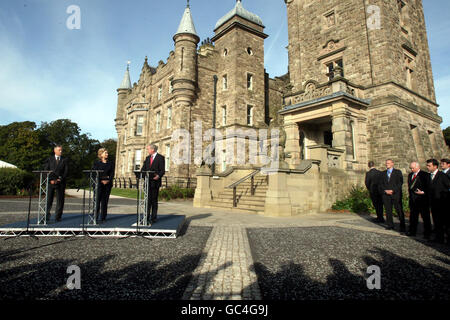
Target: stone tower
(239,40)
(361,81)
(185,80)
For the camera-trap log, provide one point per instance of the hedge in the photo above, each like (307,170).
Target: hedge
(14,181)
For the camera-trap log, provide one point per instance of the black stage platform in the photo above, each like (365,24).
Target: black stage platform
(116,226)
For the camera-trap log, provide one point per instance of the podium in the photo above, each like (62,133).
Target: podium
(143,180)
(94,181)
(43,195)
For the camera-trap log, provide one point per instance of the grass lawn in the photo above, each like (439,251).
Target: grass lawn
(127,193)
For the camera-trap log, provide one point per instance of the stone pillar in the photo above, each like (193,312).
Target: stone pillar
(278,203)
(320,152)
(342,134)
(292,144)
(203,191)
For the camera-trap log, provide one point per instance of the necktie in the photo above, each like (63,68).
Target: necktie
(432,176)
(414,177)
(57,160)
(151,161)
(389,174)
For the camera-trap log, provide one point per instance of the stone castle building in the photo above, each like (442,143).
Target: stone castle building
(359,87)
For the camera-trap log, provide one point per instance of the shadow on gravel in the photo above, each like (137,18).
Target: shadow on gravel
(149,280)
(401,279)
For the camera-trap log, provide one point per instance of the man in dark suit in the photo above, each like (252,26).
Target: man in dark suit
(445,166)
(391,181)
(372,181)
(418,182)
(438,194)
(154,162)
(57,181)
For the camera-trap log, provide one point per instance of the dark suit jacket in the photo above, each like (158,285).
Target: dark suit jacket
(372,180)
(394,183)
(439,186)
(60,171)
(421,182)
(448,173)
(158,165)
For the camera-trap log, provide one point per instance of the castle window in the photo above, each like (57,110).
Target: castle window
(122,166)
(169,117)
(352,128)
(409,66)
(335,69)
(139,125)
(224,116)
(225,52)
(249,115)
(158,121)
(170,85)
(167,163)
(137,160)
(249,51)
(159,92)
(225,82)
(130,161)
(330,19)
(224,160)
(249,81)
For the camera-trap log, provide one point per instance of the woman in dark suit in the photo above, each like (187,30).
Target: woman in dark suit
(105,185)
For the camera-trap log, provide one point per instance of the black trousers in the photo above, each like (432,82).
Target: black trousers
(152,207)
(396,202)
(377,202)
(438,210)
(60,189)
(104,191)
(416,208)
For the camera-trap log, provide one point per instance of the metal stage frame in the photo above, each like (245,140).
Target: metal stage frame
(165,230)
(93,178)
(43,193)
(143,180)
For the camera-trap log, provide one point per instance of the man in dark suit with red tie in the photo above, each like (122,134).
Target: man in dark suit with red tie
(371,182)
(57,182)
(390,186)
(418,182)
(154,162)
(438,194)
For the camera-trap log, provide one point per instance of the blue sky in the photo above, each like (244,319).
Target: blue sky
(49,72)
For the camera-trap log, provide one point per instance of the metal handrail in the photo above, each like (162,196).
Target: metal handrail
(234,186)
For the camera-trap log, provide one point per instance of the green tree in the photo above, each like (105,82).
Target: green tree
(111,146)
(447,135)
(21,145)
(79,148)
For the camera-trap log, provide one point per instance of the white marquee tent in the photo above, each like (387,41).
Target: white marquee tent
(4,164)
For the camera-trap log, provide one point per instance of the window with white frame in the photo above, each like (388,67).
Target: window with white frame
(130,161)
(169,117)
(225,82)
(139,125)
(167,163)
(224,160)
(137,159)
(224,116)
(249,81)
(249,115)
(159,92)
(170,85)
(158,121)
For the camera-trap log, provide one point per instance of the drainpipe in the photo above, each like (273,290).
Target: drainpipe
(213,166)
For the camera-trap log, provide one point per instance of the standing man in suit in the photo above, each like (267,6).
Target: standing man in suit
(154,162)
(445,166)
(60,168)
(438,194)
(418,182)
(372,181)
(391,181)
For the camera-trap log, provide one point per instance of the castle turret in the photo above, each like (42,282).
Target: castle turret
(122,93)
(186,40)
(185,79)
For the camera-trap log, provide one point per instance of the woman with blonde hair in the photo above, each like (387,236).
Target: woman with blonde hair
(105,185)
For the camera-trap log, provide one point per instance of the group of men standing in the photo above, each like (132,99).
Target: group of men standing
(428,191)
